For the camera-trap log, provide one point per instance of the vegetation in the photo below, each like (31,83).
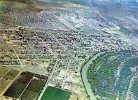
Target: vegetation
(3,71)
(52,93)
(102,74)
(33,89)
(11,74)
(19,85)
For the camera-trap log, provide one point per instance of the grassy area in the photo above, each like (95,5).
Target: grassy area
(35,85)
(3,71)
(3,84)
(33,89)
(19,84)
(27,85)
(29,95)
(11,74)
(53,93)
(6,77)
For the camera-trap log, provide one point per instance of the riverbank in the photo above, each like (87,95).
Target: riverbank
(84,76)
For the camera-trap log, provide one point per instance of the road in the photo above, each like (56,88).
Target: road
(46,85)
(84,76)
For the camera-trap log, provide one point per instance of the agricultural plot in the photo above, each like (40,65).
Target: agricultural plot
(34,88)
(52,93)
(18,86)
(7,76)
(3,71)
(114,75)
(11,74)
(26,87)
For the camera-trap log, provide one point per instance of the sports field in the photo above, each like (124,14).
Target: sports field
(53,93)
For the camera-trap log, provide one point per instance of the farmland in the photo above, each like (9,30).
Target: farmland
(7,76)
(27,86)
(52,93)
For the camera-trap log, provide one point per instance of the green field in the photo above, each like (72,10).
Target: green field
(6,78)
(33,89)
(3,71)
(52,93)
(18,86)
(11,74)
